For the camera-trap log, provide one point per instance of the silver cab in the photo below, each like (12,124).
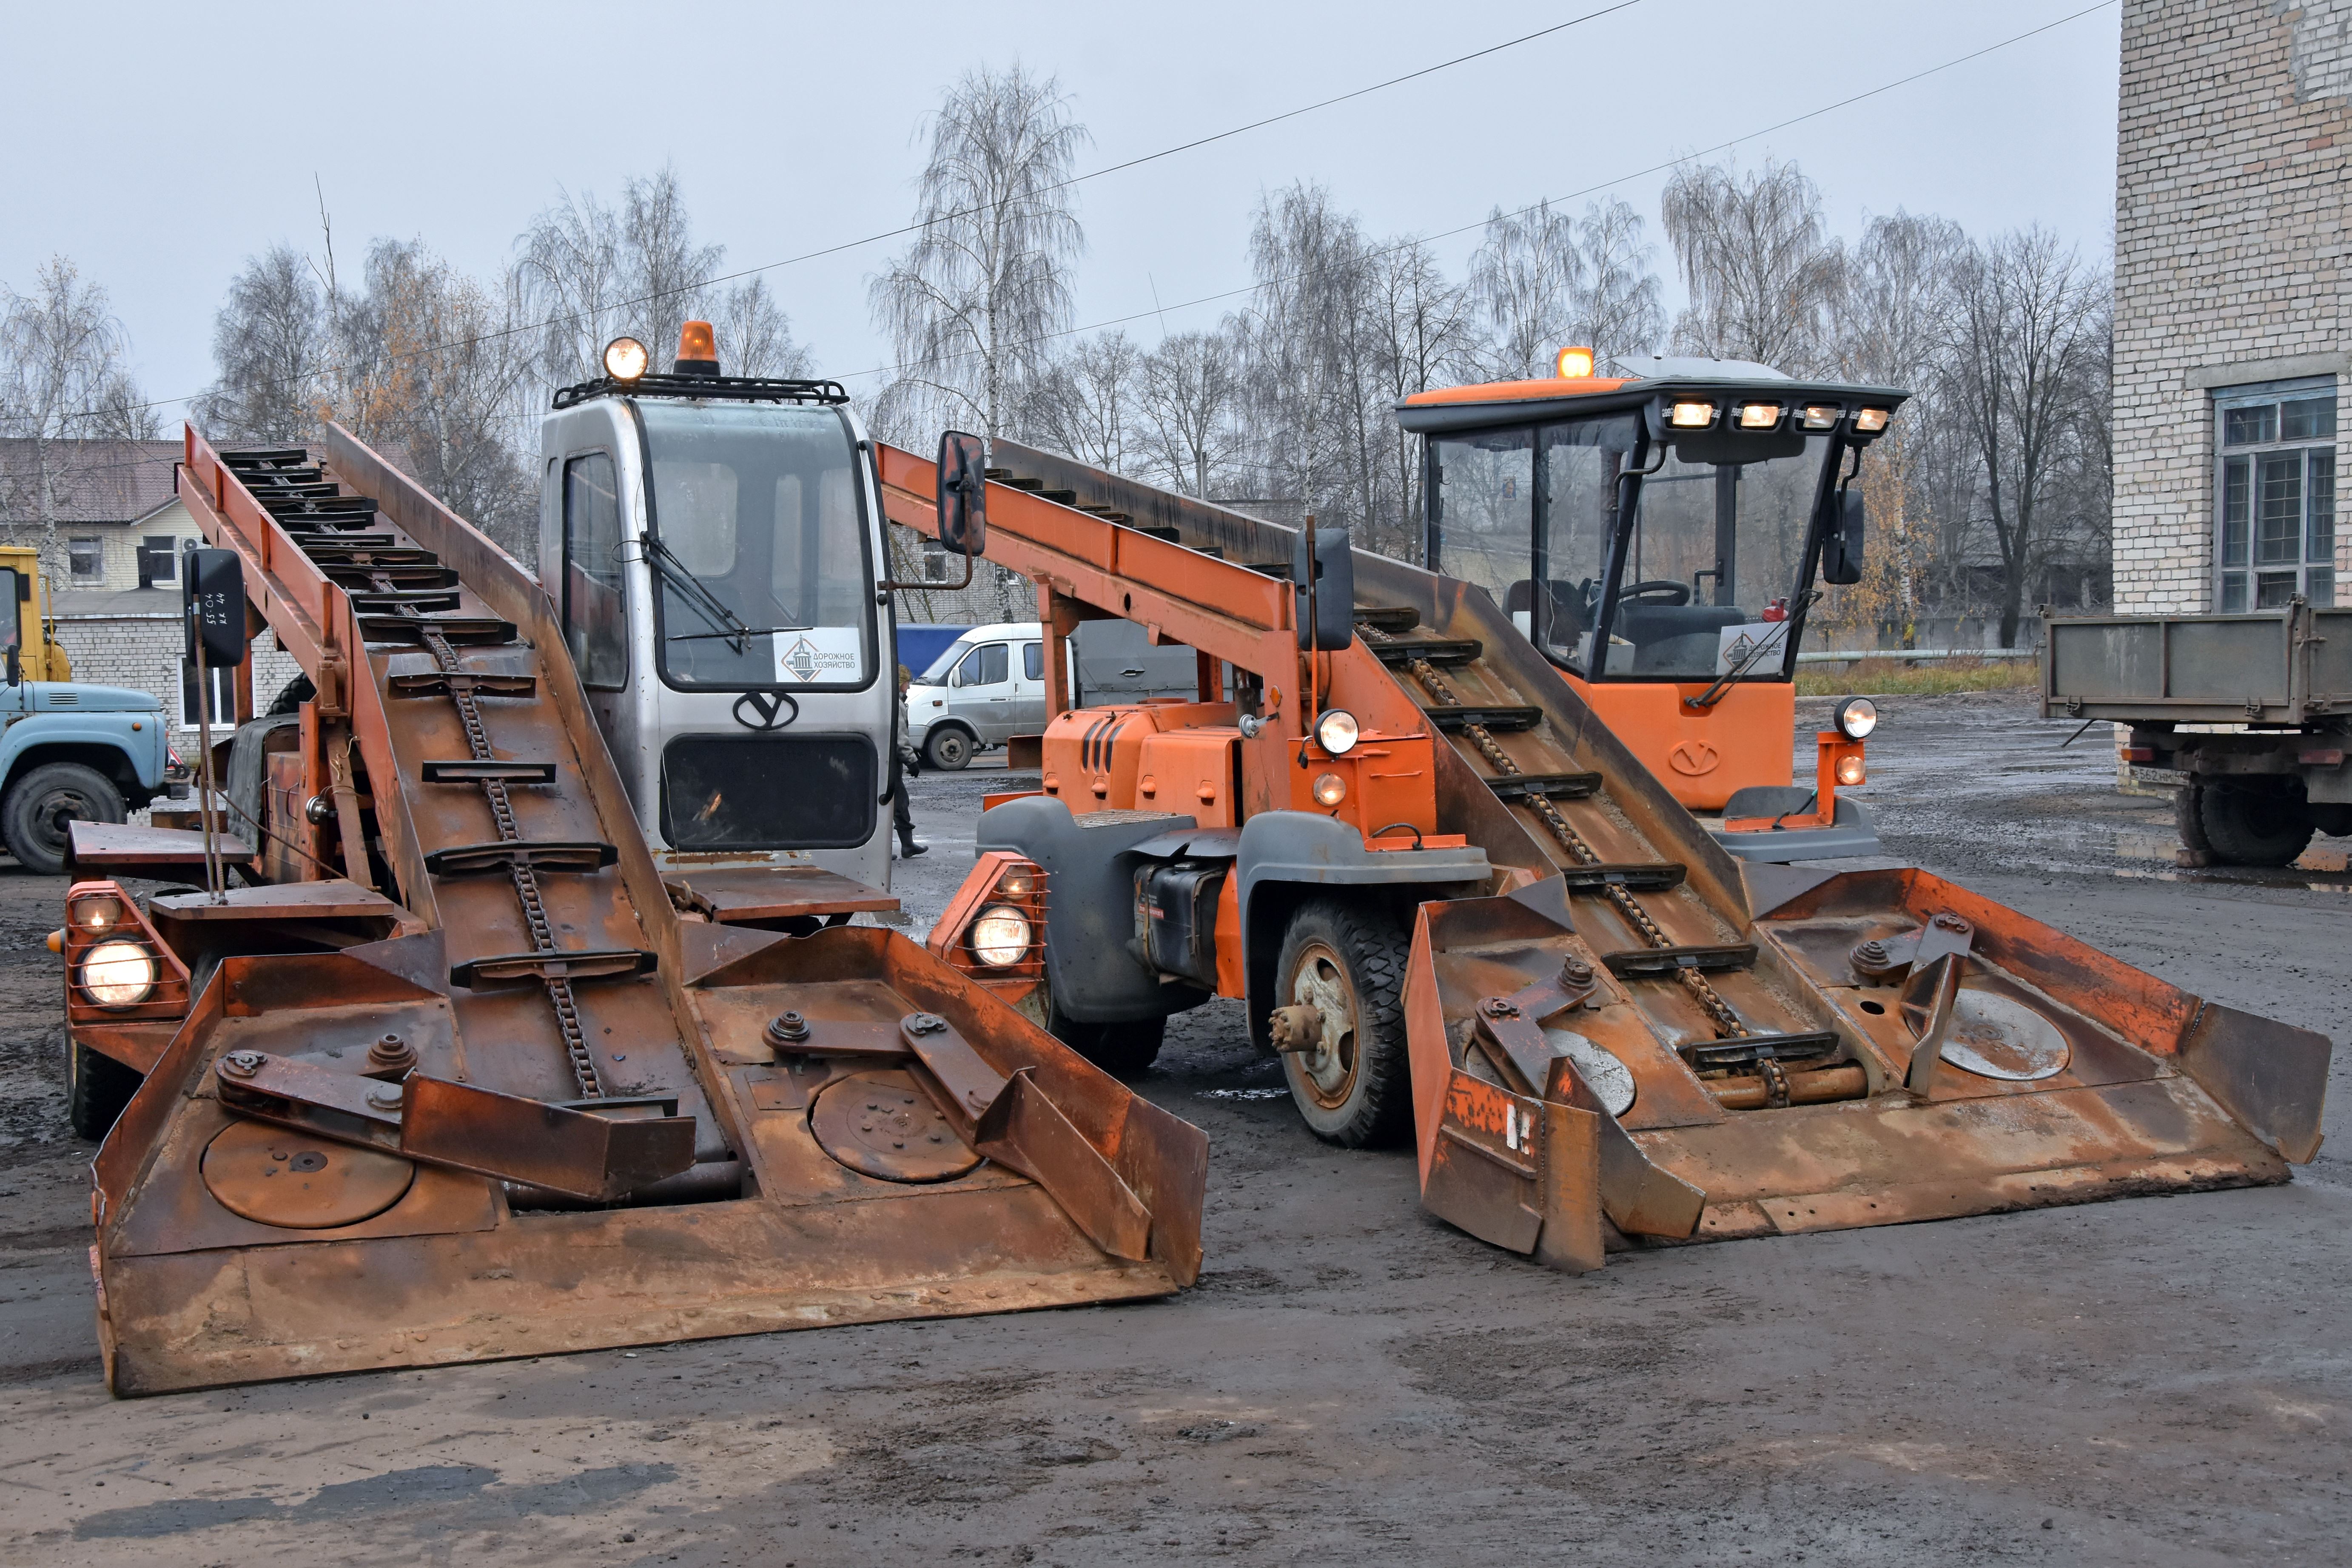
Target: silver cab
(715,563)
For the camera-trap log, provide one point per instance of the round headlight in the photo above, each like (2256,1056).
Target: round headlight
(1849,771)
(999,937)
(117,974)
(625,359)
(1017,883)
(1331,789)
(1336,731)
(95,917)
(1856,717)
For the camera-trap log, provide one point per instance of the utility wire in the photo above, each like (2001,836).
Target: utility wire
(1569,196)
(966,212)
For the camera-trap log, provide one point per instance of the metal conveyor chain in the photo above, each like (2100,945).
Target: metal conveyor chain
(1728,1026)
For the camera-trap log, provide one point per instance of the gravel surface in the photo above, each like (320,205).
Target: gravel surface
(2156,1382)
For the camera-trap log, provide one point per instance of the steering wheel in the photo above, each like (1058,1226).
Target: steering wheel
(1657,591)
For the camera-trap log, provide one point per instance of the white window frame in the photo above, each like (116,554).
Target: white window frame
(2251,571)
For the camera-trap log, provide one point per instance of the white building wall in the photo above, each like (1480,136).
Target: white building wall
(2232,148)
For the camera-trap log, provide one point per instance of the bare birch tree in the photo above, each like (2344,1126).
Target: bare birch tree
(1523,275)
(1086,400)
(272,346)
(1192,391)
(1617,307)
(1764,275)
(64,380)
(755,336)
(2027,350)
(971,305)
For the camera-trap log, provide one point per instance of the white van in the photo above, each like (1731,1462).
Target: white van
(988,687)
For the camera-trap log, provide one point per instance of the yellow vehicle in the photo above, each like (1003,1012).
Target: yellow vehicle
(33,650)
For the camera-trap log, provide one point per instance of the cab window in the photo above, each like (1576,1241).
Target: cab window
(596,623)
(984,666)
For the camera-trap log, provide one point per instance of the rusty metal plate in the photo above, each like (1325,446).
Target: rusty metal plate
(278,1176)
(1608,1077)
(1999,1037)
(882,1123)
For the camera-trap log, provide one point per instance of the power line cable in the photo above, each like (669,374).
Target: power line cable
(877,238)
(1522,211)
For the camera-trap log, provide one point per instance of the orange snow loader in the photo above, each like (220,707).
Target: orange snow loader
(436,1067)
(1459,907)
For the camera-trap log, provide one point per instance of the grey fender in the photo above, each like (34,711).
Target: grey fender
(1091,967)
(1853,833)
(1286,857)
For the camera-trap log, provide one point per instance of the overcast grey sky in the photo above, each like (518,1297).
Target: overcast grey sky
(159,145)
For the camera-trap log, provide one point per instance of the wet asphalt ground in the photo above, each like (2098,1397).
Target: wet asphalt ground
(2165,1381)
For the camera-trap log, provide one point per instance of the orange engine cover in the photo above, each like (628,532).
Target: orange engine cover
(1700,754)
(1150,756)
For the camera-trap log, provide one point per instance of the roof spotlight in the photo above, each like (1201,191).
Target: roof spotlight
(625,359)
(1871,421)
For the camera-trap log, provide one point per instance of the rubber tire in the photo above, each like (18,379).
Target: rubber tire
(2254,827)
(97,1089)
(948,750)
(1373,948)
(291,696)
(1123,1050)
(39,794)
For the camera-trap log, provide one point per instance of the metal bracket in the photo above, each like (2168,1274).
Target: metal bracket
(600,1155)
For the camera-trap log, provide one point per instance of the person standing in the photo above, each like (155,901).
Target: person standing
(909,766)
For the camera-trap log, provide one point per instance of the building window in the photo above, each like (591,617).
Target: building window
(2277,500)
(224,695)
(158,561)
(86,557)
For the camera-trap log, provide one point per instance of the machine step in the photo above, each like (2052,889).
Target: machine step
(433,683)
(1650,963)
(1750,1049)
(1654,878)
(1550,786)
(502,854)
(584,963)
(379,601)
(470,769)
(1498,716)
(1436,650)
(411,629)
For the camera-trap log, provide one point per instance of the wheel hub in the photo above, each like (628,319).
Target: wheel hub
(1328,1061)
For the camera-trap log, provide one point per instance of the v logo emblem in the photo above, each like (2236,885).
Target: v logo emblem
(764,710)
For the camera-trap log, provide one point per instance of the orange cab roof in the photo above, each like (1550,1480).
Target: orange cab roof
(1520,391)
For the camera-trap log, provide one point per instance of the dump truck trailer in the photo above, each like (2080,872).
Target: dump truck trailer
(456,1074)
(2251,710)
(1460,909)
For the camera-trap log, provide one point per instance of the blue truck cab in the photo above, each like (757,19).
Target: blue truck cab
(68,751)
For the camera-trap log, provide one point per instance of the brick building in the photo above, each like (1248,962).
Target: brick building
(2235,134)
(115,588)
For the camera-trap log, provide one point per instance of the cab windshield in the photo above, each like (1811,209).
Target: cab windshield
(759,547)
(1709,558)
(937,675)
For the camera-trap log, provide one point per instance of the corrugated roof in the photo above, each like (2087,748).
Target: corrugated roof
(94,481)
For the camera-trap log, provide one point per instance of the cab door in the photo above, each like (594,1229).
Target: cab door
(1029,690)
(980,693)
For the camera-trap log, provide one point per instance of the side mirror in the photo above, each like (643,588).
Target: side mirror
(211,592)
(1327,618)
(963,493)
(1842,547)
(15,666)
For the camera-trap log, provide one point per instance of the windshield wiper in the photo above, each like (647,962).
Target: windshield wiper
(731,637)
(694,595)
(1714,694)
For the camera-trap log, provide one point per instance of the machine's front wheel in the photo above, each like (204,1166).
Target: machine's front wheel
(1338,986)
(947,749)
(1122,1050)
(35,818)
(97,1089)
(2257,823)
